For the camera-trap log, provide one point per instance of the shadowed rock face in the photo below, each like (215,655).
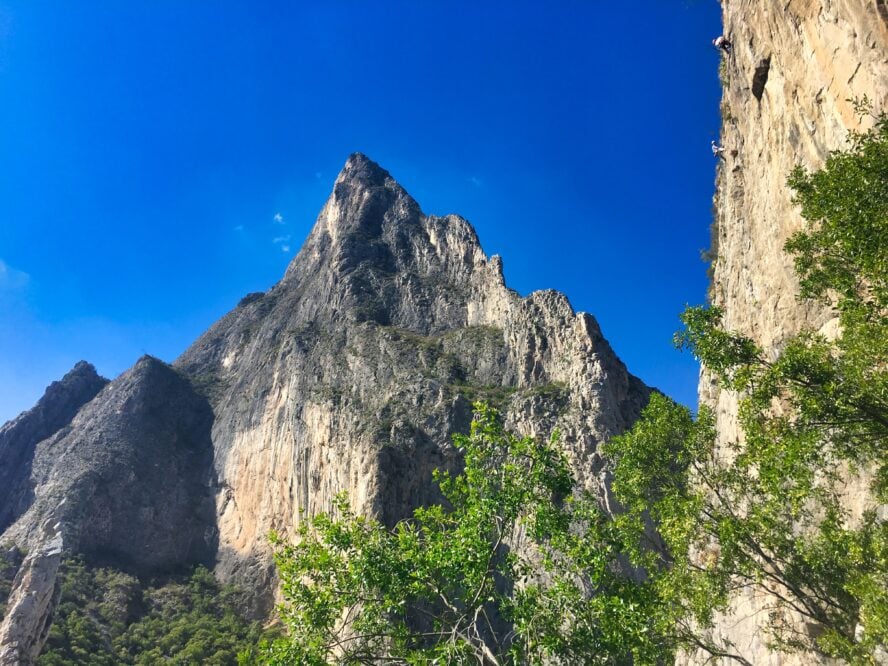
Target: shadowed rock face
(352,373)
(19,437)
(128,480)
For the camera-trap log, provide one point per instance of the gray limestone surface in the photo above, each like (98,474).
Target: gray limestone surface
(128,482)
(350,374)
(19,437)
(354,371)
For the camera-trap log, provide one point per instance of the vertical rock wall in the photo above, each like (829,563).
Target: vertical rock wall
(795,65)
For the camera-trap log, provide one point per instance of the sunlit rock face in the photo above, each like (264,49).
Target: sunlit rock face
(350,374)
(786,90)
(355,370)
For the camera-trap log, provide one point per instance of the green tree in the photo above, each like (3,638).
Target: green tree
(502,575)
(105,616)
(768,510)
(519,567)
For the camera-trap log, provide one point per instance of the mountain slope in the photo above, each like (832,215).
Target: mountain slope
(351,373)
(125,482)
(19,437)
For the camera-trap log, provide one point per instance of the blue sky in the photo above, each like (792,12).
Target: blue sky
(159,159)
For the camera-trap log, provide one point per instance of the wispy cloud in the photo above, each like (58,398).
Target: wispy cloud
(11,278)
(283,241)
(239,227)
(474,180)
(278,218)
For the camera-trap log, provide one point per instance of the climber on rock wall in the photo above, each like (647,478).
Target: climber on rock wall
(721,42)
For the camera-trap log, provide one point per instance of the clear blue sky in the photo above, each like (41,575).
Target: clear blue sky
(146,148)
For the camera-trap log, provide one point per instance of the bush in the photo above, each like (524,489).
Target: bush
(109,617)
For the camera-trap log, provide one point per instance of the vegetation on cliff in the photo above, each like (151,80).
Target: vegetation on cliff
(105,616)
(769,511)
(502,575)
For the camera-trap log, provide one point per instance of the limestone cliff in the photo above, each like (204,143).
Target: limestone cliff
(354,371)
(788,83)
(351,373)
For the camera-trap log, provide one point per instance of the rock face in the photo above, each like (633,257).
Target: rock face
(30,608)
(795,66)
(128,482)
(351,373)
(19,437)
(129,479)
(354,371)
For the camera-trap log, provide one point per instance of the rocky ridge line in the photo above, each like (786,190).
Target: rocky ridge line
(352,373)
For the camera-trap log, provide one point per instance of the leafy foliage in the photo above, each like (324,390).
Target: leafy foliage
(107,617)
(846,253)
(769,511)
(502,575)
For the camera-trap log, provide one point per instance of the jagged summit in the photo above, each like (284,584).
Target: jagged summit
(19,437)
(147,364)
(81,367)
(350,374)
(372,255)
(146,442)
(359,168)
(380,318)
(364,213)
(75,384)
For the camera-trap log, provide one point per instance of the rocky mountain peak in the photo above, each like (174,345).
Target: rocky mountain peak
(62,398)
(83,368)
(19,438)
(127,478)
(360,169)
(351,374)
(127,481)
(365,213)
(149,370)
